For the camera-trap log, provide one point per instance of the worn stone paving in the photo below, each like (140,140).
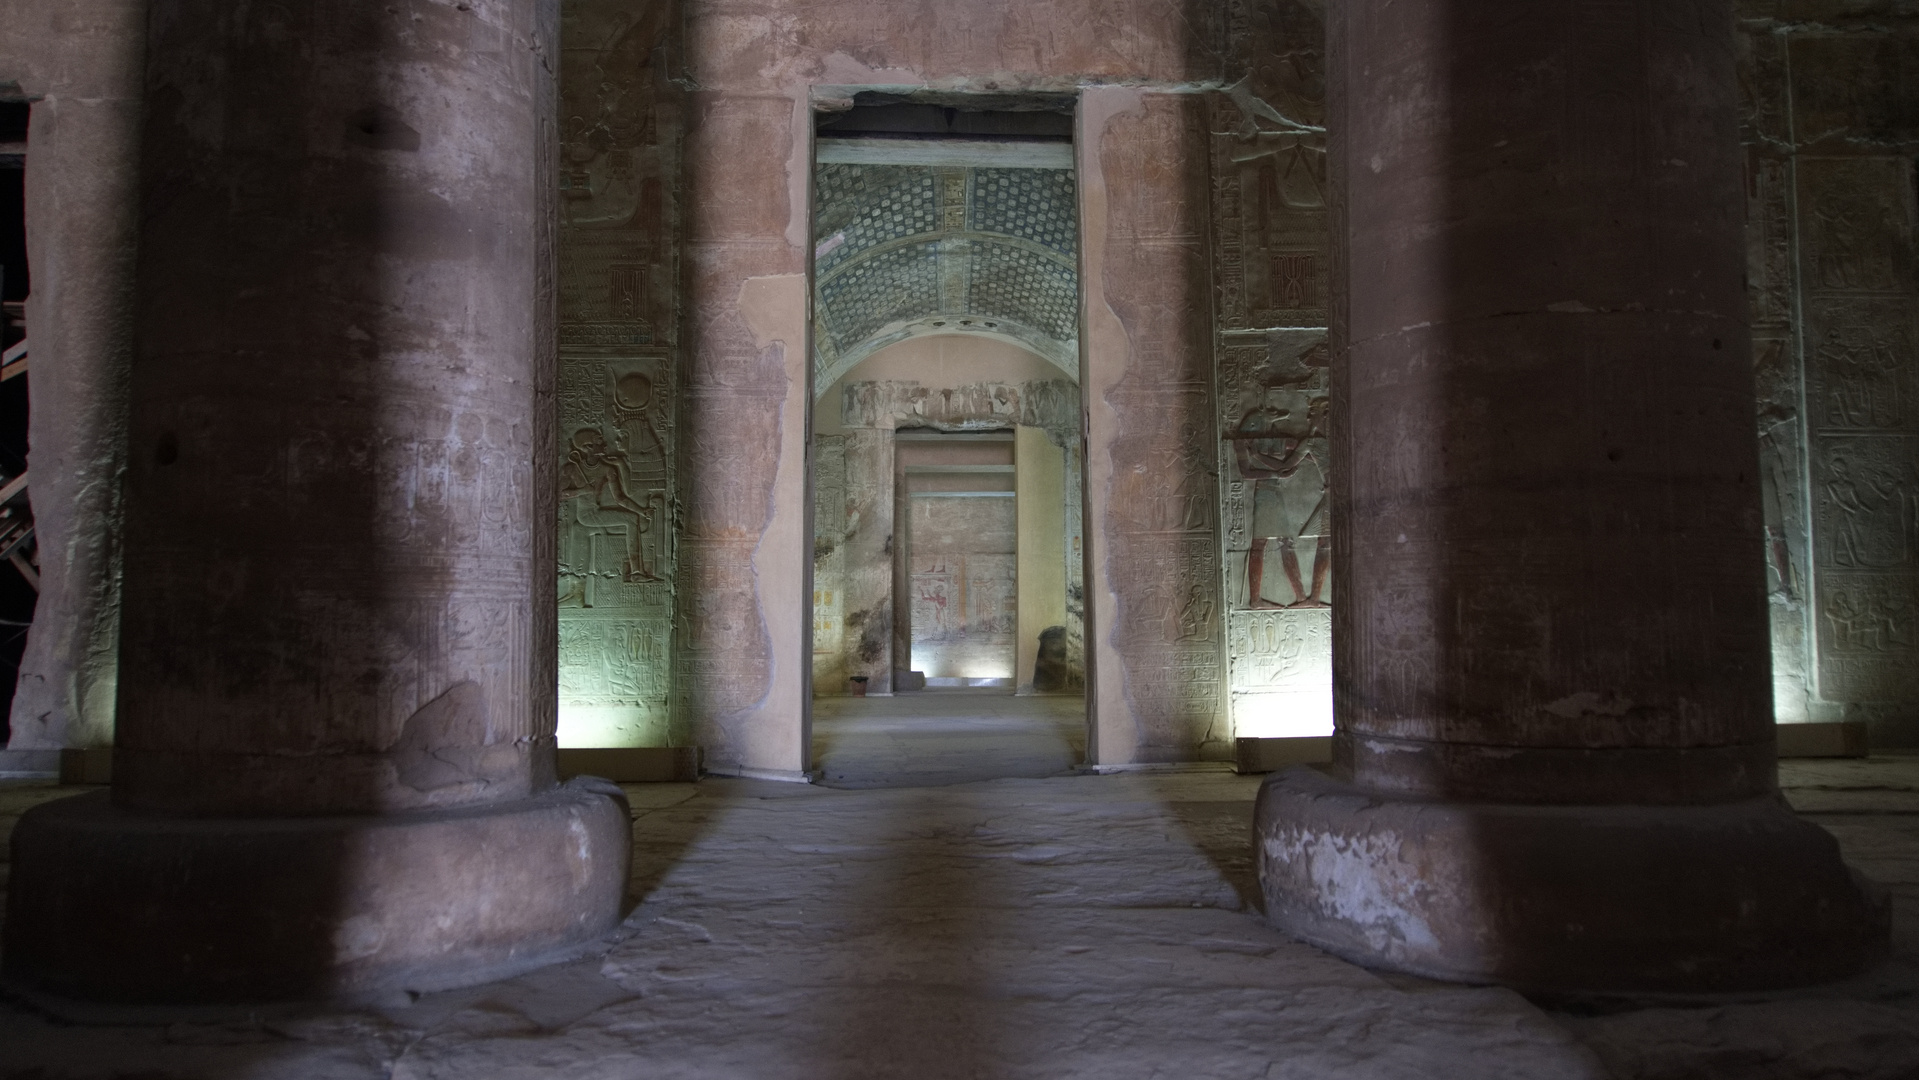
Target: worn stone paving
(934,738)
(1069,926)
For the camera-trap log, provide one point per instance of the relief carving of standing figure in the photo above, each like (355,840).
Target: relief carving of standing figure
(1281,447)
(1870,530)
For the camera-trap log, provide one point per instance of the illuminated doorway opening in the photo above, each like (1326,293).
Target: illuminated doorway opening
(946,434)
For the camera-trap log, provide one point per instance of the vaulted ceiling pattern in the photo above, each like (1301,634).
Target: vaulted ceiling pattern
(906,250)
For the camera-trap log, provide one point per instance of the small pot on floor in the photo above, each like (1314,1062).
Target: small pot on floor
(859,685)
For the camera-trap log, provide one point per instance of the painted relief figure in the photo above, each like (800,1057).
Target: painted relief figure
(597,475)
(930,606)
(1280,447)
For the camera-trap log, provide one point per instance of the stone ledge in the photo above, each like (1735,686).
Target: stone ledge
(1252,754)
(632,764)
(29,764)
(110,905)
(1735,896)
(1846,738)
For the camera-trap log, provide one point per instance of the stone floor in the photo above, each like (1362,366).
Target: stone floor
(936,738)
(931,923)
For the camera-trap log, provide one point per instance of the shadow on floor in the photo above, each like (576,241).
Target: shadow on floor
(327,1040)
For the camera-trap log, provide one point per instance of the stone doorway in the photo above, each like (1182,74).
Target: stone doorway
(946,445)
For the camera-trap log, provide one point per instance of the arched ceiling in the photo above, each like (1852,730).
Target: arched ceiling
(906,250)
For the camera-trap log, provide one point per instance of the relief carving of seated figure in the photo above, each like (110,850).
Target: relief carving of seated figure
(597,473)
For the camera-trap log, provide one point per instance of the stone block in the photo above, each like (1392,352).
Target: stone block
(29,764)
(1841,739)
(633,764)
(1257,755)
(93,765)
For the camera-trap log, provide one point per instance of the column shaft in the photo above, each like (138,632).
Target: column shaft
(331,515)
(1550,656)
(1551,512)
(337,684)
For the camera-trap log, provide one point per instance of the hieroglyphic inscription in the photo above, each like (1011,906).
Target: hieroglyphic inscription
(1854,89)
(1268,190)
(1762,74)
(1855,222)
(619,259)
(722,658)
(1161,512)
(1170,614)
(1281,670)
(963,598)
(616,542)
(1275,492)
(979,405)
(1862,407)
(1769,240)
(731,416)
(1271,258)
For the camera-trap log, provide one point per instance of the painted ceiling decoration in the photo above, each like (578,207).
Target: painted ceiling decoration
(908,250)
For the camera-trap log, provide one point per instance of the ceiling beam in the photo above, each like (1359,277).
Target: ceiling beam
(964,153)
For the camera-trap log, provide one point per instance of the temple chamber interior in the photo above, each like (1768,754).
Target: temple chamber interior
(1122,538)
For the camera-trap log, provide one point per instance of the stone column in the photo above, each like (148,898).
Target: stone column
(1554,752)
(334,771)
(872,535)
(899,562)
(82,64)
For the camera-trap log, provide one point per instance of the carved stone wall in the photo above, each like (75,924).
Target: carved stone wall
(875,624)
(620,126)
(759,66)
(1270,259)
(1153,444)
(1831,126)
(1827,155)
(963,599)
(1275,516)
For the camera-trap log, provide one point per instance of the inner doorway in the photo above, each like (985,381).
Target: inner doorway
(946,459)
(956,579)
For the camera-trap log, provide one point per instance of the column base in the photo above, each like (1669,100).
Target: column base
(110,905)
(1738,896)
